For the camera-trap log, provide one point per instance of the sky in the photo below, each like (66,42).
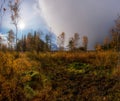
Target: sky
(93,18)
(31,18)
(29,15)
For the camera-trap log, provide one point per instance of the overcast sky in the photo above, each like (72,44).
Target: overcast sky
(93,18)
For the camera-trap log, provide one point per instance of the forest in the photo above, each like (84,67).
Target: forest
(31,70)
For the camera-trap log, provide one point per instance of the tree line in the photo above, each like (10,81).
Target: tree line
(73,43)
(33,41)
(26,43)
(113,41)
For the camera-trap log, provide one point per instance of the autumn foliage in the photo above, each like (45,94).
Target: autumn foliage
(59,76)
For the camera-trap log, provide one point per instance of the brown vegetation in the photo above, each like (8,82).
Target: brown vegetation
(59,76)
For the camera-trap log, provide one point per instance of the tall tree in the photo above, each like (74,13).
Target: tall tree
(61,41)
(115,43)
(29,42)
(106,43)
(11,38)
(32,43)
(37,43)
(48,39)
(47,42)
(0,42)
(85,42)
(15,14)
(24,43)
(98,47)
(76,40)
(71,44)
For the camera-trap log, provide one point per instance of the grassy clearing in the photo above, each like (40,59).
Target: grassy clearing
(59,76)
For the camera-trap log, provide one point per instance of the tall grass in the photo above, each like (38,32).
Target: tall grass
(59,76)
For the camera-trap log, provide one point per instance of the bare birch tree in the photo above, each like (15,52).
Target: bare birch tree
(15,15)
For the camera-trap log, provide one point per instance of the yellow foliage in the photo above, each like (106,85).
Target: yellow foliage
(21,64)
(25,78)
(45,75)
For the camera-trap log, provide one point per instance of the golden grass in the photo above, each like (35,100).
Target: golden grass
(61,76)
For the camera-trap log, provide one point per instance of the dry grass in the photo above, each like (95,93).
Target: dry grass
(63,76)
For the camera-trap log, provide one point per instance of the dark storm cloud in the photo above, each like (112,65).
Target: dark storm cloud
(93,18)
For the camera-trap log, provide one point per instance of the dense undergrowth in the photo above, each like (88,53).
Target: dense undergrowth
(59,76)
